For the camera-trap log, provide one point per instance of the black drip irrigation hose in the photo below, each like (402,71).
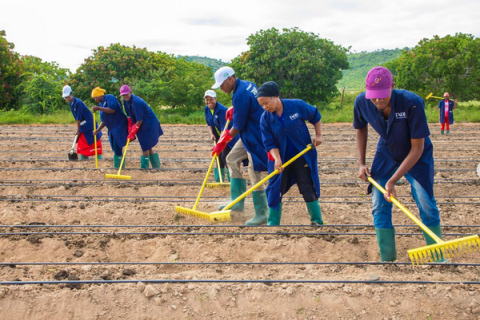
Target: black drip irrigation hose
(163,281)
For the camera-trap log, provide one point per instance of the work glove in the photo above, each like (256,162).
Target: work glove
(270,157)
(133,132)
(129,125)
(229,115)
(222,143)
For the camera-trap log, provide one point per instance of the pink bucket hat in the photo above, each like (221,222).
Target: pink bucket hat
(125,90)
(378,83)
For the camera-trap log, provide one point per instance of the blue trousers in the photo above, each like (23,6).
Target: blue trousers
(382,210)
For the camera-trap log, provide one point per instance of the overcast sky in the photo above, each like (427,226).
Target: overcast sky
(67,31)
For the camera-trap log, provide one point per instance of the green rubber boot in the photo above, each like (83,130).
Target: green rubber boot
(237,187)
(222,174)
(438,232)
(315,213)
(144,162)
(217,176)
(274,216)
(228,175)
(261,208)
(82,157)
(441,132)
(117,160)
(155,160)
(386,244)
(99,157)
(448,131)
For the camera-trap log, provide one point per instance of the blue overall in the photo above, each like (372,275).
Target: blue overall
(81,113)
(441,105)
(246,119)
(290,137)
(217,121)
(407,121)
(150,130)
(116,123)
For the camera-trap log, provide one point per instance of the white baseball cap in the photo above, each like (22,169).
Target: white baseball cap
(210,93)
(66,91)
(221,75)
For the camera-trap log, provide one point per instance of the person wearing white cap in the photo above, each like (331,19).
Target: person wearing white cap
(84,118)
(215,113)
(245,114)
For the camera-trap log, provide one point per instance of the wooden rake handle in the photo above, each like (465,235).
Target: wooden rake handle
(246,193)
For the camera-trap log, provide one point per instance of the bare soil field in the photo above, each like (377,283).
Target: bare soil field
(74,245)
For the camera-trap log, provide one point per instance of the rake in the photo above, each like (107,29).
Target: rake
(220,184)
(430,95)
(219,215)
(433,252)
(118,176)
(95,140)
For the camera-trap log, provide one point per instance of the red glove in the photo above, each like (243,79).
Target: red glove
(229,115)
(129,125)
(270,156)
(133,132)
(222,143)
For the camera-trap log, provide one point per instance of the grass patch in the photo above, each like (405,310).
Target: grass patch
(16,117)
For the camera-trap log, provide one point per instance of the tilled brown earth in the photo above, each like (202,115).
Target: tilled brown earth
(64,221)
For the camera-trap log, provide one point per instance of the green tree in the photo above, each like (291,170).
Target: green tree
(304,65)
(10,72)
(439,64)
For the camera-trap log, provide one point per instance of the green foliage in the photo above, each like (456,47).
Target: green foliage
(14,117)
(41,93)
(215,64)
(361,63)
(10,72)
(34,65)
(440,64)
(305,66)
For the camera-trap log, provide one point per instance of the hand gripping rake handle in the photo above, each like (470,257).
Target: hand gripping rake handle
(208,172)
(246,193)
(95,140)
(408,213)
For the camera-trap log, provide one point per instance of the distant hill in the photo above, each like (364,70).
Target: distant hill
(361,63)
(209,62)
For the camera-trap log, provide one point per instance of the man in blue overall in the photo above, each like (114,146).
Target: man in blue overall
(404,149)
(245,115)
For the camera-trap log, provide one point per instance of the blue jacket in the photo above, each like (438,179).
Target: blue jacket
(150,130)
(116,123)
(81,113)
(441,105)
(407,121)
(246,119)
(217,121)
(275,135)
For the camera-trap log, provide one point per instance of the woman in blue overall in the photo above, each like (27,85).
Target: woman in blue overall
(404,149)
(145,126)
(84,118)
(285,134)
(215,113)
(112,117)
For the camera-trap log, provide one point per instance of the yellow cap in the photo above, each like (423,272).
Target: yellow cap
(98,92)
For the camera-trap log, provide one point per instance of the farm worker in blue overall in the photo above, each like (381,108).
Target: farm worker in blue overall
(285,134)
(84,118)
(114,119)
(404,149)
(145,126)
(246,113)
(215,116)
(445,107)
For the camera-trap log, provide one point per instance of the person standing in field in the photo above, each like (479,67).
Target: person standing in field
(215,117)
(445,108)
(85,126)
(112,117)
(245,114)
(145,126)
(404,149)
(285,134)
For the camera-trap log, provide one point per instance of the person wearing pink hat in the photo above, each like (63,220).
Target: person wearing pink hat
(404,149)
(445,108)
(145,126)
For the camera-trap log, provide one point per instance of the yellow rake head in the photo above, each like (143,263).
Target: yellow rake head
(434,252)
(214,185)
(117,176)
(214,216)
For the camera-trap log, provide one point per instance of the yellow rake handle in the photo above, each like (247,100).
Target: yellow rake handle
(205,181)
(218,167)
(123,158)
(95,139)
(430,95)
(246,193)
(408,213)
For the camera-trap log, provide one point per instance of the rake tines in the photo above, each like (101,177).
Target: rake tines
(448,249)
(193,212)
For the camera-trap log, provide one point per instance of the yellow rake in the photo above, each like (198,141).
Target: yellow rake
(95,137)
(430,95)
(118,176)
(433,252)
(220,184)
